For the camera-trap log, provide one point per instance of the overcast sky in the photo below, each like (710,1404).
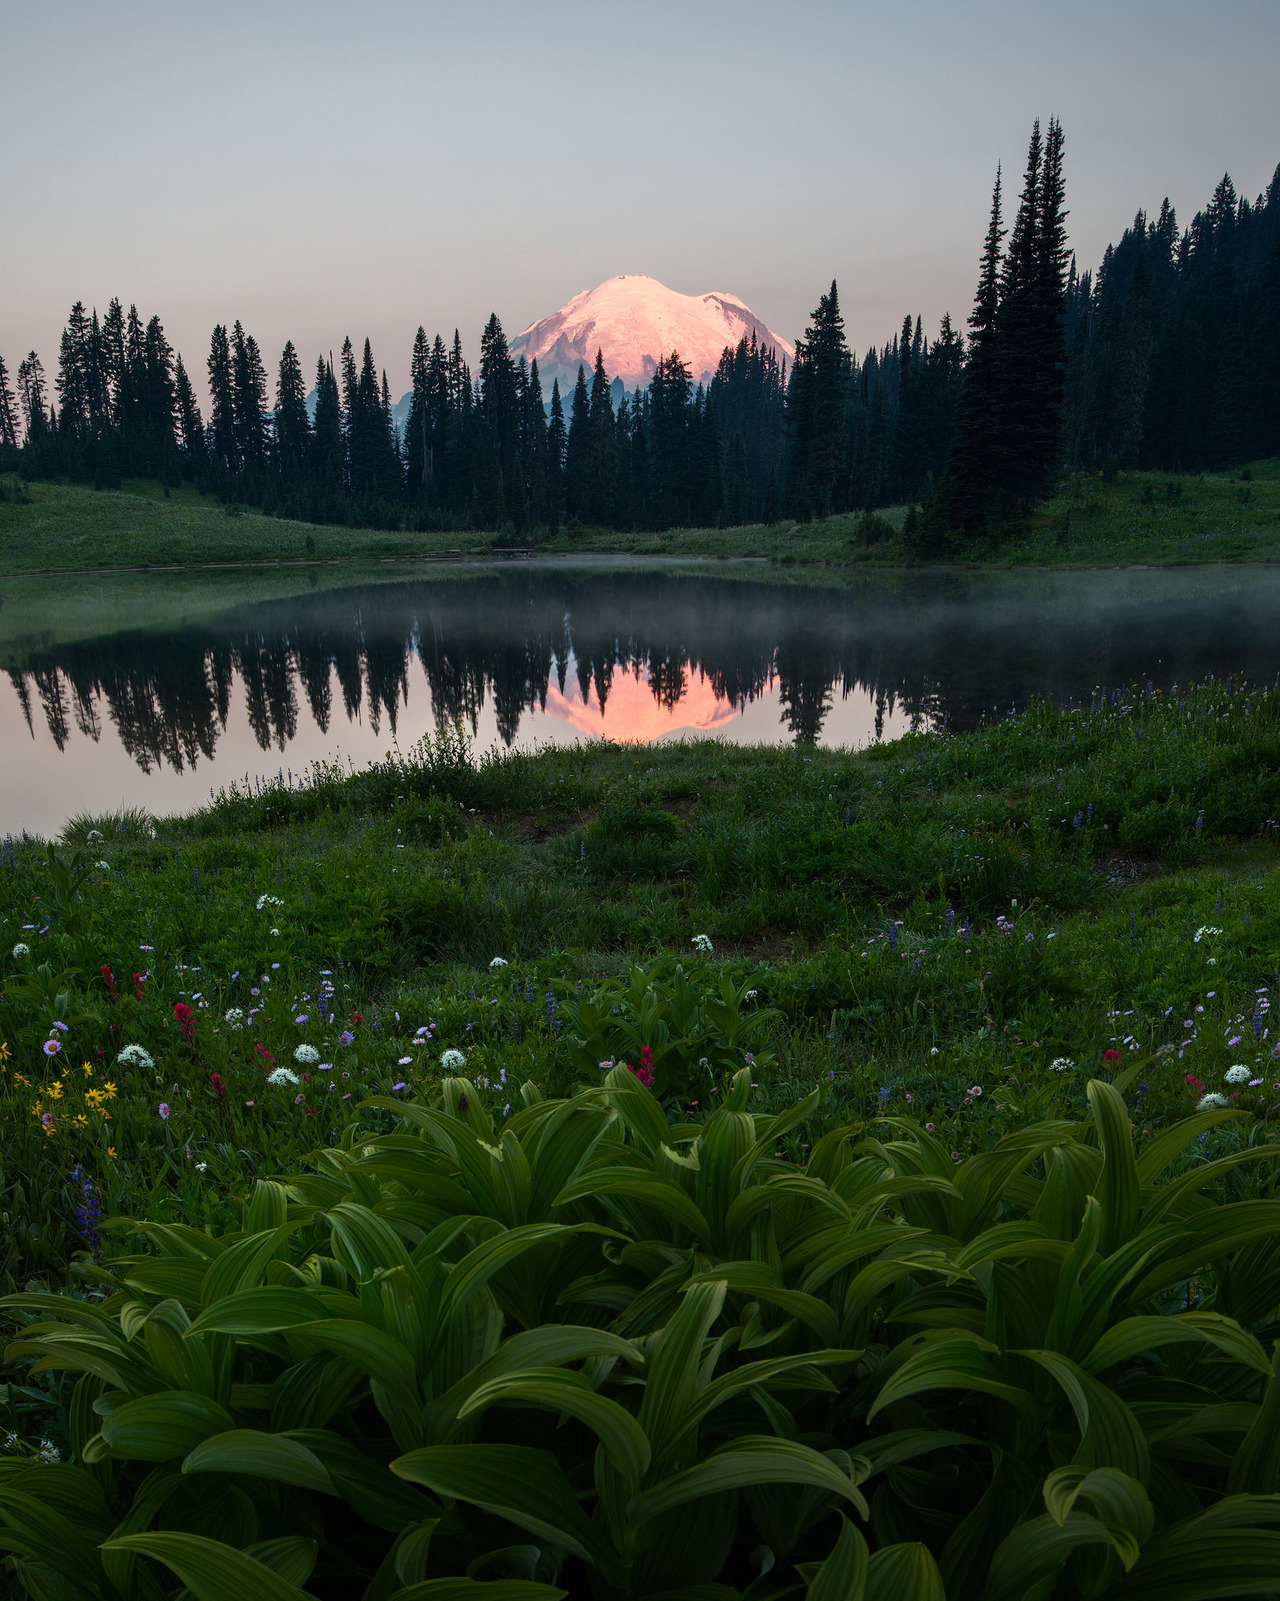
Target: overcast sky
(318,169)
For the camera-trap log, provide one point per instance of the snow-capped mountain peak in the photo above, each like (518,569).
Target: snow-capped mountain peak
(635,321)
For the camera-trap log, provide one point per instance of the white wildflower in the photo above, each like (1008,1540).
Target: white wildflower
(498,961)
(136,1056)
(307,1055)
(1203,932)
(269,900)
(451,1060)
(1210,1102)
(276,932)
(1061,1064)
(702,942)
(283,1075)
(201,1167)
(20,950)
(234,1018)
(93,836)
(103,867)
(1237,1073)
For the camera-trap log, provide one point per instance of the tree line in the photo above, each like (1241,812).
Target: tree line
(1169,358)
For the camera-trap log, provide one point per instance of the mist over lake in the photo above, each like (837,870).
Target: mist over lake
(152,689)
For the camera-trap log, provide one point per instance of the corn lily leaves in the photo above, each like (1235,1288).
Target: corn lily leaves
(749,1459)
(526,1486)
(216,1572)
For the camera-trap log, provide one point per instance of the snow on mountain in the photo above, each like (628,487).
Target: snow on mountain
(636,321)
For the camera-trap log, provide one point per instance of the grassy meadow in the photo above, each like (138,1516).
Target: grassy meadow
(1145,518)
(866,1125)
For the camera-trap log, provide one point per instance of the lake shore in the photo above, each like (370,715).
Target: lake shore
(1136,519)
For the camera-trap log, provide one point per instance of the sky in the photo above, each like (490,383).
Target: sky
(319,169)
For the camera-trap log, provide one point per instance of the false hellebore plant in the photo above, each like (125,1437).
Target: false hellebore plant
(599,1354)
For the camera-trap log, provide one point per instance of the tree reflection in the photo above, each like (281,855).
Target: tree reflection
(947,649)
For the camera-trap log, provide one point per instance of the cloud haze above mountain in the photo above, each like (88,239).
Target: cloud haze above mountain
(318,169)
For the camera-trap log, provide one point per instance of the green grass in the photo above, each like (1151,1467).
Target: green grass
(929,920)
(1133,518)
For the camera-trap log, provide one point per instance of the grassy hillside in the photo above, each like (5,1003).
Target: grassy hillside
(1149,518)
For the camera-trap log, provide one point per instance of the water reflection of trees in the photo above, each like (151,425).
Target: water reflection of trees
(942,648)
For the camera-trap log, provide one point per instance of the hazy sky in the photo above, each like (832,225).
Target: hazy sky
(318,169)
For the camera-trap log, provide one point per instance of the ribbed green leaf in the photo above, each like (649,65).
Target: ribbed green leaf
(622,1437)
(1027,1561)
(960,1363)
(675,1366)
(1118,1191)
(1230,1549)
(241,1266)
(1109,1494)
(210,1570)
(264,1456)
(633,1185)
(1255,1468)
(157,1428)
(292,1556)
(33,1529)
(843,1576)
(904,1573)
(1126,1339)
(265,1309)
(478,1266)
(515,1482)
(1110,1434)
(748,1459)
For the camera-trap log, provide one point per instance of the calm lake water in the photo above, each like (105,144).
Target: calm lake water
(151,689)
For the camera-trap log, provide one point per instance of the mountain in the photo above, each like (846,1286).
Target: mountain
(636,321)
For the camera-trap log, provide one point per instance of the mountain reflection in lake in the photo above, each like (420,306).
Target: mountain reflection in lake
(153,714)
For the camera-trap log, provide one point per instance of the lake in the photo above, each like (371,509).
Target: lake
(152,689)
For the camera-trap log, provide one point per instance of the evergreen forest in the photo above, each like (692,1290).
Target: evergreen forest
(1166,358)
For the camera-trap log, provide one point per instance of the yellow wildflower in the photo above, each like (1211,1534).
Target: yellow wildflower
(81,1121)
(111,1152)
(109,1090)
(19,1079)
(4,1051)
(88,1071)
(54,1089)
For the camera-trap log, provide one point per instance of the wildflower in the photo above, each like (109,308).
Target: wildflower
(1111,1056)
(498,961)
(61,1028)
(275,932)
(928,1128)
(20,950)
(933,1050)
(136,1056)
(451,1060)
(51,1047)
(282,1075)
(1238,1073)
(301,1019)
(398,1086)
(1203,933)
(201,1166)
(46,1119)
(269,900)
(164,1110)
(975,1089)
(217,1086)
(307,1055)
(234,1018)
(184,1019)
(103,867)
(702,943)
(357,1018)
(405,1061)
(1211,1100)
(346,1037)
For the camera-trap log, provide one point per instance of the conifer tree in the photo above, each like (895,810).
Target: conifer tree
(292,426)
(557,444)
(190,423)
(577,455)
(8,411)
(328,449)
(249,401)
(417,440)
(73,376)
(31,392)
(222,420)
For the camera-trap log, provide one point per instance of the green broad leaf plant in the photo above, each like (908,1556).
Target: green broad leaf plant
(594,1352)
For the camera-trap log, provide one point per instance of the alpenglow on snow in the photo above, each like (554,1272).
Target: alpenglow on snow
(635,321)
